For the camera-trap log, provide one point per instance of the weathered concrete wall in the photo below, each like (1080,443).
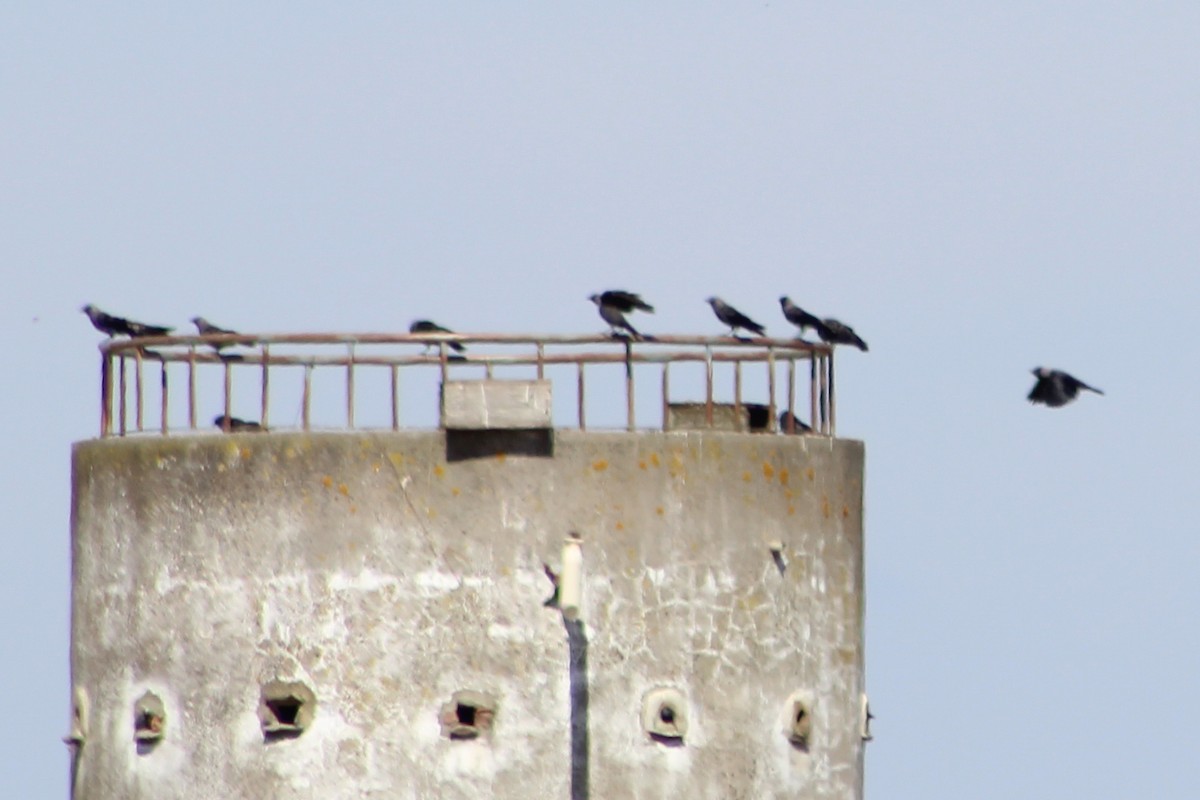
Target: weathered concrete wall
(386,578)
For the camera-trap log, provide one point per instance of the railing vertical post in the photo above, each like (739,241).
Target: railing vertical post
(228,389)
(105,393)
(737,389)
(814,417)
(306,400)
(350,387)
(771,405)
(395,397)
(541,360)
(137,387)
(121,389)
(708,386)
(444,361)
(265,410)
(629,418)
(162,410)
(582,394)
(666,394)
(832,400)
(791,417)
(192,387)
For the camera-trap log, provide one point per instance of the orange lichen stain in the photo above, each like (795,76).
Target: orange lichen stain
(353,509)
(244,452)
(825,507)
(783,476)
(789,494)
(376,466)
(654,459)
(439,470)
(791,510)
(600,465)
(327,482)
(810,473)
(746,476)
(501,457)
(845,511)
(455,491)
(659,511)
(343,490)
(768,470)
(619,526)
(641,465)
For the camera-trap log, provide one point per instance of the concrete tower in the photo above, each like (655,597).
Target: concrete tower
(374,614)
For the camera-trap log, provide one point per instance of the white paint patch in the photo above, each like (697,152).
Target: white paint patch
(368,580)
(508,633)
(436,582)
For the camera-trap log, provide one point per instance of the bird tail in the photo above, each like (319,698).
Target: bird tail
(1083,385)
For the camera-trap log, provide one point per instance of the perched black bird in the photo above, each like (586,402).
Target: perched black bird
(1055,388)
(830,330)
(119,326)
(204,328)
(734,318)
(799,317)
(834,332)
(798,427)
(429,326)
(235,425)
(615,304)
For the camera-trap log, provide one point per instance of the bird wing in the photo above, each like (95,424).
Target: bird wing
(625,301)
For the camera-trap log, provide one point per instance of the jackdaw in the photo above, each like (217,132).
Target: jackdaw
(206,328)
(734,318)
(1055,388)
(119,326)
(834,332)
(799,317)
(235,425)
(798,427)
(429,326)
(615,304)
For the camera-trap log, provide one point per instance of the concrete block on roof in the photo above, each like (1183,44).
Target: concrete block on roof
(496,405)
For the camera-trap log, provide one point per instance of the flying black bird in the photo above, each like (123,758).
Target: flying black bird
(799,317)
(615,304)
(119,326)
(834,332)
(235,425)
(734,318)
(429,326)
(1055,388)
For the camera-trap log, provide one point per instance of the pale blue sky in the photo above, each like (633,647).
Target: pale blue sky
(978,187)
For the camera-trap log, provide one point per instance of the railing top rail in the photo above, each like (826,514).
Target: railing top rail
(119,346)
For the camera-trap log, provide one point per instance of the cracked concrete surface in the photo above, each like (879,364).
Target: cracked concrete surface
(385,578)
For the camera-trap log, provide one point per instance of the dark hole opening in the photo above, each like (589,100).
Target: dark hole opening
(667,715)
(145,721)
(465,714)
(285,709)
(800,716)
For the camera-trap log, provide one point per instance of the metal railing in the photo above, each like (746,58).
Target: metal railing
(126,390)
